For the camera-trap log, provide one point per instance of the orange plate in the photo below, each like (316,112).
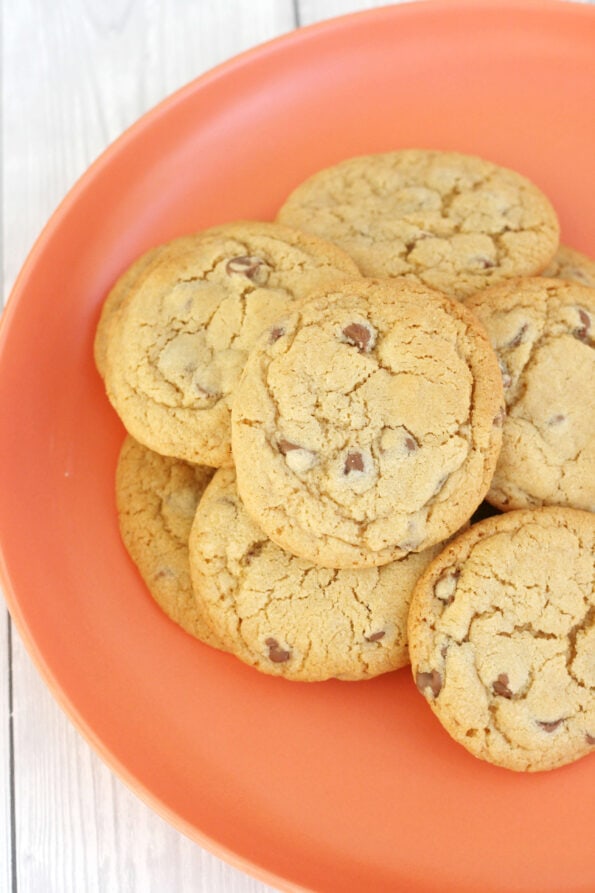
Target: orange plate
(331,786)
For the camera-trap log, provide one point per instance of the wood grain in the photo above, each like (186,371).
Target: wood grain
(78,72)
(5,753)
(78,828)
(311,11)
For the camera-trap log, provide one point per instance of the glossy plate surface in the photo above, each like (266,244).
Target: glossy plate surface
(330,787)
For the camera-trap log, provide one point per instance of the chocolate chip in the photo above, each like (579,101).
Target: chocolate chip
(486,263)
(556,420)
(285,446)
(299,459)
(500,686)
(254,268)
(411,443)
(590,739)
(375,637)
(446,585)
(549,726)
(582,333)
(254,550)
(353,462)
(360,336)
(277,654)
(275,334)
(431,680)
(518,338)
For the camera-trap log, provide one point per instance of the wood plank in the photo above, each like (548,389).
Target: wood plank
(5,753)
(77,74)
(311,11)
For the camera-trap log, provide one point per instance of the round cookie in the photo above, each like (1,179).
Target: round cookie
(287,617)
(454,222)
(571,265)
(502,638)
(156,499)
(179,342)
(367,424)
(543,331)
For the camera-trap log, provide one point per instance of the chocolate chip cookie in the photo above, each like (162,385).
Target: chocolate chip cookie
(179,341)
(573,266)
(502,638)
(156,500)
(452,221)
(367,423)
(114,301)
(287,617)
(124,286)
(543,331)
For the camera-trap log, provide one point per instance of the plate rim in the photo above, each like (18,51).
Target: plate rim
(224,69)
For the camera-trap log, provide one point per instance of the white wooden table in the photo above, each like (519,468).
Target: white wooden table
(76,73)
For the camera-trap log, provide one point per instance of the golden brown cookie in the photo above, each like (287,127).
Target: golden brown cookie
(573,266)
(179,343)
(502,638)
(287,617)
(543,331)
(367,423)
(124,286)
(156,500)
(452,221)
(114,301)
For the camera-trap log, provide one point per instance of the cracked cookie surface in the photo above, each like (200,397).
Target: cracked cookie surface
(156,498)
(287,617)
(179,341)
(571,265)
(502,638)
(121,290)
(367,424)
(543,331)
(452,221)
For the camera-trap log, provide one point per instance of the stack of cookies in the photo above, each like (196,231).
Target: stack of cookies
(318,407)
